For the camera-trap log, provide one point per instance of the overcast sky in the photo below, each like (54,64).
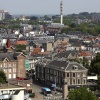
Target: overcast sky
(49,6)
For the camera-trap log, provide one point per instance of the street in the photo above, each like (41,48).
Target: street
(39,96)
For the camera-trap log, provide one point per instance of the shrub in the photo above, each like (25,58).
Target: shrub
(32,95)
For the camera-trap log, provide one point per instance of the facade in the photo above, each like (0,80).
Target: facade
(58,70)
(12,63)
(9,66)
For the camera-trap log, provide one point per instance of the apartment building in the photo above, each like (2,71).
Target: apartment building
(13,64)
(58,70)
(4,15)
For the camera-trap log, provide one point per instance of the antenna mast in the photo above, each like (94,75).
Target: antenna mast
(61,12)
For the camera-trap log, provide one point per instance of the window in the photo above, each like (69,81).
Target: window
(47,70)
(14,64)
(1,65)
(78,74)
(47,76)
(14,70)
(78,81)
(37,69)
(9,70)
(84,74)
(5,70)
(84,81)
(73,81)
(73,74)
(4,64)
(51,78)
(55,72)
(56,79)
(61,74)
(75,67)
(9,65)
(67,74)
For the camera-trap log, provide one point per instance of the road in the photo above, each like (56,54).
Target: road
(37,90)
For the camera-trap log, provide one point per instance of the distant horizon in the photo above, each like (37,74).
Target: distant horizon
(46,7)
(47,14)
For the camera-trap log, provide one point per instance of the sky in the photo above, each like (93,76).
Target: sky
(44,7)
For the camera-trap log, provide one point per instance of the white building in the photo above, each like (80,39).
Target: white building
(13,92)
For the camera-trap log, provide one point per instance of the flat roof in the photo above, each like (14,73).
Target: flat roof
(11,87)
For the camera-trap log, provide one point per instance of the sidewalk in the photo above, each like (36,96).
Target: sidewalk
(38,97)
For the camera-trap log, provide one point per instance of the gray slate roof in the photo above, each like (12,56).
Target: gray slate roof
(65,65)
(66,54)
(9,56)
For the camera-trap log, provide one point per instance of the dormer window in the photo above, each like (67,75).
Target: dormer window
(75,67)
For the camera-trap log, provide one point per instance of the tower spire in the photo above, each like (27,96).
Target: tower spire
(61,12)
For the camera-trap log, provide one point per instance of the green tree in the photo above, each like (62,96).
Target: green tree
(65,30)
(85,62)
(95,65)
(81,94)
(20,47)
(98,82)
(2,77)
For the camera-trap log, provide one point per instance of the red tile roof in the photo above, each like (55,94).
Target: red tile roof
(86,53)
(36,51)
(44,53)
(21,42)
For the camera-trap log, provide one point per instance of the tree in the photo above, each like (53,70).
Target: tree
(2,77)
(81,94)
(98,83)
(85,62)
(20,47)
(72,25)
(65,30)
(95,65)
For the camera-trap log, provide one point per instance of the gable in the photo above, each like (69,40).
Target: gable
(5,60)
(75,66)
(21,55)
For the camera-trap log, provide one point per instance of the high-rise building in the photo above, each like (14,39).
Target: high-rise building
(5,15)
